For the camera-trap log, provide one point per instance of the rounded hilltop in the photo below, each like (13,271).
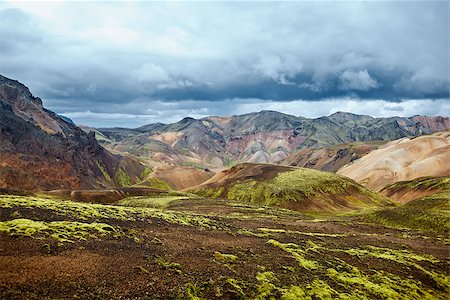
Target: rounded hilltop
(295,188)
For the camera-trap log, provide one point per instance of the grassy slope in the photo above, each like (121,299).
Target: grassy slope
(426,213)
(405,191)
(423,183)
(300,189)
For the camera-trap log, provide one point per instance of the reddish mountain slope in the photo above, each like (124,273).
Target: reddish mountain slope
(39,150)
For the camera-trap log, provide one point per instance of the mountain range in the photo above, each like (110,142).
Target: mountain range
(264,137)
(41,150)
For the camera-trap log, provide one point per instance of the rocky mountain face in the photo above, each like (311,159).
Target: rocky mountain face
(330,158)
(263,137)
(39,150)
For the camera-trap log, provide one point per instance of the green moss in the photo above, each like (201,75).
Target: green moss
(62,231)
(122,178)
(176,267)
(318,234)
(85,211)
(427,213)
(147,171)
(224,258)
(301,185)
(403,257)
(294,293)
(192,292)
(271,230)
(210,193)
(423,183)
(102,169)
(266,288)
(379,285)
(297,253)
(156,183)
(155,202)
(236,287)
(321,290)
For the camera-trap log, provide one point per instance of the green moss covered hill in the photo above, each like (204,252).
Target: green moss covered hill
(426,213)
(405,191)
(294,188)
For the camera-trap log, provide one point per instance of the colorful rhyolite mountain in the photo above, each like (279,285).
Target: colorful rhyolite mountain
(267,137)
(40,150)
(401,160)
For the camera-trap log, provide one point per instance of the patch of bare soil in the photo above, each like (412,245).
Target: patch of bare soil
(181,178)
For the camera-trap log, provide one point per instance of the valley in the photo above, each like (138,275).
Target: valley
(256,206)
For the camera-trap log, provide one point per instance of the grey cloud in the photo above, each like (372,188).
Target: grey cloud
(357,80)
(168,112)
(101,57)
(394,108)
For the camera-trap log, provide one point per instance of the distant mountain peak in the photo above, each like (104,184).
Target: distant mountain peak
(342,116)
(187,120)
(12,91)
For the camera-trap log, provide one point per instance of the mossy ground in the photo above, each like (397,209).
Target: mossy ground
(423,183)
(62,231)
(427,213)
(122,178)
(155,202)
(155,183)
(210,249)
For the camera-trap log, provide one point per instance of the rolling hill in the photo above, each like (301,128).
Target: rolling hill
(40,150)
(401,160)
(429,213)
(177,177)
(299,189)
(405,191)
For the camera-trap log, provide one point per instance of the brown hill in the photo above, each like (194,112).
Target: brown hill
(178,177)
(330,158)
(290,187)
(40,150)
(401,160)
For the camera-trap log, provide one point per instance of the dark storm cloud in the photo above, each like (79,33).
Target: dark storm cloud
(127,58)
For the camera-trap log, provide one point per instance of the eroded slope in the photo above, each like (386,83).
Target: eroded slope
(401,160)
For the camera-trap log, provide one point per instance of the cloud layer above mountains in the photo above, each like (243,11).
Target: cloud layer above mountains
(195,58)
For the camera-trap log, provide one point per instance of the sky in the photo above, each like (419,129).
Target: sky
(127,64)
